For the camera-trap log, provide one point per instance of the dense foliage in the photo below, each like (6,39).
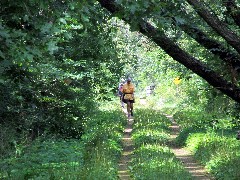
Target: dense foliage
(56,59)
(95,155)
(60,59)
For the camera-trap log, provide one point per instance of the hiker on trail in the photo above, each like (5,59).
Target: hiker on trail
(120,94)
(128,90)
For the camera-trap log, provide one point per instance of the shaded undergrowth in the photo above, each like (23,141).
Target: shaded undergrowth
(94,156)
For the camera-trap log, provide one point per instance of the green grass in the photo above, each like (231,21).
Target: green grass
(45,159)
(151,118)
(148,136)
(94,156)
(215,147)
(152,159)
(157,162)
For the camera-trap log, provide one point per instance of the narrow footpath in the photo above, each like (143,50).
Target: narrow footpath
(197,171)
(123,171)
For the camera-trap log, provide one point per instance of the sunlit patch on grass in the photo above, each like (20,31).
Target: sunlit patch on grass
(151,158)
(148,136)
(155,161)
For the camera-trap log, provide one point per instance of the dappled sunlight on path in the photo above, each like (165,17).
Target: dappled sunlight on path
(123,170)
(196,170)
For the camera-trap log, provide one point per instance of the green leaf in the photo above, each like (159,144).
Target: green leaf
(2,55)
(46,28)
(85,18)
(52,47)
(179,20)
(2,81)
(133,8)
(25,18)
(62,20)
(4,33)
(28,56)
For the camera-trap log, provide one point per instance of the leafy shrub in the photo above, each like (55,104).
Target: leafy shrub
(218,153)
(95,155)
(224,167)
(194,118)
(43,158)
(7,137)
(194,140)
(102,126)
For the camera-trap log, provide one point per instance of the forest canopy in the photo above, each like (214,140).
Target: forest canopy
(212,26)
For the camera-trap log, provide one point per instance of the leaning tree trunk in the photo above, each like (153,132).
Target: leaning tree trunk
(219,26)
(178,54)
(233,10)
(228,56)
(212,45)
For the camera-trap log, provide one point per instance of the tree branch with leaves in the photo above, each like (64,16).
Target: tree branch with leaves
(177,53)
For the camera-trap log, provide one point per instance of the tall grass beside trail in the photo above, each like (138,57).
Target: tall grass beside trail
(214,145)
(150,127)
(102,142)
(151,158)
(94,156)
(49,159)
(152,161)
(219,154)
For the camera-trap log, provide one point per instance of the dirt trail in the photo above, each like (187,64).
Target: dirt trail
(196,170)
(123,171)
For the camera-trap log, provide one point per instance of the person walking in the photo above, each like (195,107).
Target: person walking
(128,92)
(120,94)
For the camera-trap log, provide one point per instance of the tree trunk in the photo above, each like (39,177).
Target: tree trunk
(180,55)
(233,10)
(212,45)
(220,27)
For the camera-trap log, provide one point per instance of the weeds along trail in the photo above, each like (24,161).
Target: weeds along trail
(95,155)
(103,151)
(196,170)
(151,158)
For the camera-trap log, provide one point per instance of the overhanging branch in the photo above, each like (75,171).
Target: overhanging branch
(219,26)
(180,55)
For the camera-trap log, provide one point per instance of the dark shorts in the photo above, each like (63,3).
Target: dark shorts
(127,100)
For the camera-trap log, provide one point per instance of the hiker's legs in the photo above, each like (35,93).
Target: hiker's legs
(131,108)
(121,102)
(128,108)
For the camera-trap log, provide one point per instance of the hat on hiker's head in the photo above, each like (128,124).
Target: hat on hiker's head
(129,79)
